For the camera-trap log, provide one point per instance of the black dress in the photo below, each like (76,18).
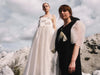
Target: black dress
(65,50)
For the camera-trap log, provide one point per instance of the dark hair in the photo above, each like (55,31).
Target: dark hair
(64,8)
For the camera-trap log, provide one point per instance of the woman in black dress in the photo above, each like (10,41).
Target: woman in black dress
(68,41)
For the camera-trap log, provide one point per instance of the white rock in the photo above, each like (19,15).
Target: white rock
(6,71)
(21,58)
(96,72)
(85,73)
(3,54)
(7,60)
(14,59)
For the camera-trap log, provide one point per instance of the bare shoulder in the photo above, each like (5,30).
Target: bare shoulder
(53,17)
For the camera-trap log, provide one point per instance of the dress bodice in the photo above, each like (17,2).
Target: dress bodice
(45,21)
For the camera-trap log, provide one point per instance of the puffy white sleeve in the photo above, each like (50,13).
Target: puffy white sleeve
(78,33)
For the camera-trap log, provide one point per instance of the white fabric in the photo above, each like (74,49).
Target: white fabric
(41,60)
(78,33)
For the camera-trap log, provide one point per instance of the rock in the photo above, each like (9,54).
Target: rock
(85,73)
(6,71)
(20,58)
(90,54)
(6,60)
(15,60)
(90,61)
(3,54)
(96,72)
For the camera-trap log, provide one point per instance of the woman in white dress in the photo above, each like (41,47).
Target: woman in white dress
(40,59)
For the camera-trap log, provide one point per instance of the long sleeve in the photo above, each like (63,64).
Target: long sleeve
(78,33)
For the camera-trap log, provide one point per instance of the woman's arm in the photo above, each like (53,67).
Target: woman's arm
(77,38)
(75,53)
(54,21)
(73,60)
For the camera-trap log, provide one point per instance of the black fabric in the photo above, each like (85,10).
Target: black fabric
(65,49)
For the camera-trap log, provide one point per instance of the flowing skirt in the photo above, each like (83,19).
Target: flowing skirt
(41,61)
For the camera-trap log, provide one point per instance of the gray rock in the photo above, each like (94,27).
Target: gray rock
(96,72)
(85,73)
(6,71)
(89,58)
(3,54)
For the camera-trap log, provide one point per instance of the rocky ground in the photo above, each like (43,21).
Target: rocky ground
(90,54)
(13,63)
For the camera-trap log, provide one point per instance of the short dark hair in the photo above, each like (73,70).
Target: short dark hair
(64,8)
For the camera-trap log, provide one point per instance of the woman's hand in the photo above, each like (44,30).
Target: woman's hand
(53,51)
(71,67)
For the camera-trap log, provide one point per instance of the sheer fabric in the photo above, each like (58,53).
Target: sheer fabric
(78,33)
(41,60)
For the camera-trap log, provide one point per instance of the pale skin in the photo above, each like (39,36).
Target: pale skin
(46,9)
(65,15)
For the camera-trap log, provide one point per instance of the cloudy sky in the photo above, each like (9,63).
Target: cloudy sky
(19,19)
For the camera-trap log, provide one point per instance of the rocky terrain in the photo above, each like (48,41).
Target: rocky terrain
(13,63)
(90,54)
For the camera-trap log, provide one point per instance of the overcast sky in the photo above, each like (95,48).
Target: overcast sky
(19,19)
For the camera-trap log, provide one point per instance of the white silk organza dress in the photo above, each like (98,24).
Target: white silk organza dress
(41,60)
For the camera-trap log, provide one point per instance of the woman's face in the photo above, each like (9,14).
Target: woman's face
(64,14)
(46,7)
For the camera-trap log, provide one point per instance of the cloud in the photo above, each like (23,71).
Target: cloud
(6,35)
(28,31)
(2,48)
(25,6)
(89,13)
(15,27)
(93,4)
(19,18)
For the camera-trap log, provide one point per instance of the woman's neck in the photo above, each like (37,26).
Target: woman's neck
(67,21)
(47,13)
